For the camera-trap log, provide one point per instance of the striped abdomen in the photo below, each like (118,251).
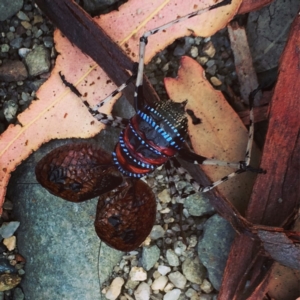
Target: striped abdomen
(152,136)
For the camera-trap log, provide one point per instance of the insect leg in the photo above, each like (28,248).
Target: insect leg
(138,94)
(102,117)
(196,186)
(171,173)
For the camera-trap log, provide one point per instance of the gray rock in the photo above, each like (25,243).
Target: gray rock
(22,16)
(197,205)
(6,267)
(13,70)
(48,41)
(172,258)
(211,70)
(4,48)
(18,294)
(150,256)
(16,43)
(8,229)
(157,232)
(9,8)
(177,279)
(38,61)
(10,109)
(193,270)
(179,50)
(214,247)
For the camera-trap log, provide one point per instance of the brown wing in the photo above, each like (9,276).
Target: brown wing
(125,217)
(78,172)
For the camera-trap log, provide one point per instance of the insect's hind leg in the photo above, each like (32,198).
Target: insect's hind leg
(196,186)
(241,166)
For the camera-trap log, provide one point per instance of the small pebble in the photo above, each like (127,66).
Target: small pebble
(172,295)
(8,205)
(138,274)
(164,196)
(206,286)
(26,25)
(194,51)
(209,49)
(163,270)
(191,293)
(10,243)
(215,81)
(159,283)
(150,256)
(193,270)
(38,61)
(142,292)
(6,266)
(18,294)
(130,284)
(22,16)
(8,228)
(157,232)
(9,281)
(4,48)
(177,279)
(114,289)
(172,258)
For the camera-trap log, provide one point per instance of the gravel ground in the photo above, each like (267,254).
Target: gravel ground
(170,265)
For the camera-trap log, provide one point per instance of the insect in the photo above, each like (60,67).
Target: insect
(155,136)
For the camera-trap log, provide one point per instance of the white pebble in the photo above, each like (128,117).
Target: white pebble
(168,287)
(206,286)
(142,292)
(172,295)
(115,288)
(159,283)
(194,51)
(215,81)
(10,242)
(138,274)
(163,270)
(164,196)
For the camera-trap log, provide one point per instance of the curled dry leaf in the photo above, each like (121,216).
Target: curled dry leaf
(60,114)
(221,134)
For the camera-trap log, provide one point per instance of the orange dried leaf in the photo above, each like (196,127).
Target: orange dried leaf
(221,135)
(58,113)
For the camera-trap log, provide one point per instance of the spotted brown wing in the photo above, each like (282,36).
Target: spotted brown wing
(78,172)
(125,217)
